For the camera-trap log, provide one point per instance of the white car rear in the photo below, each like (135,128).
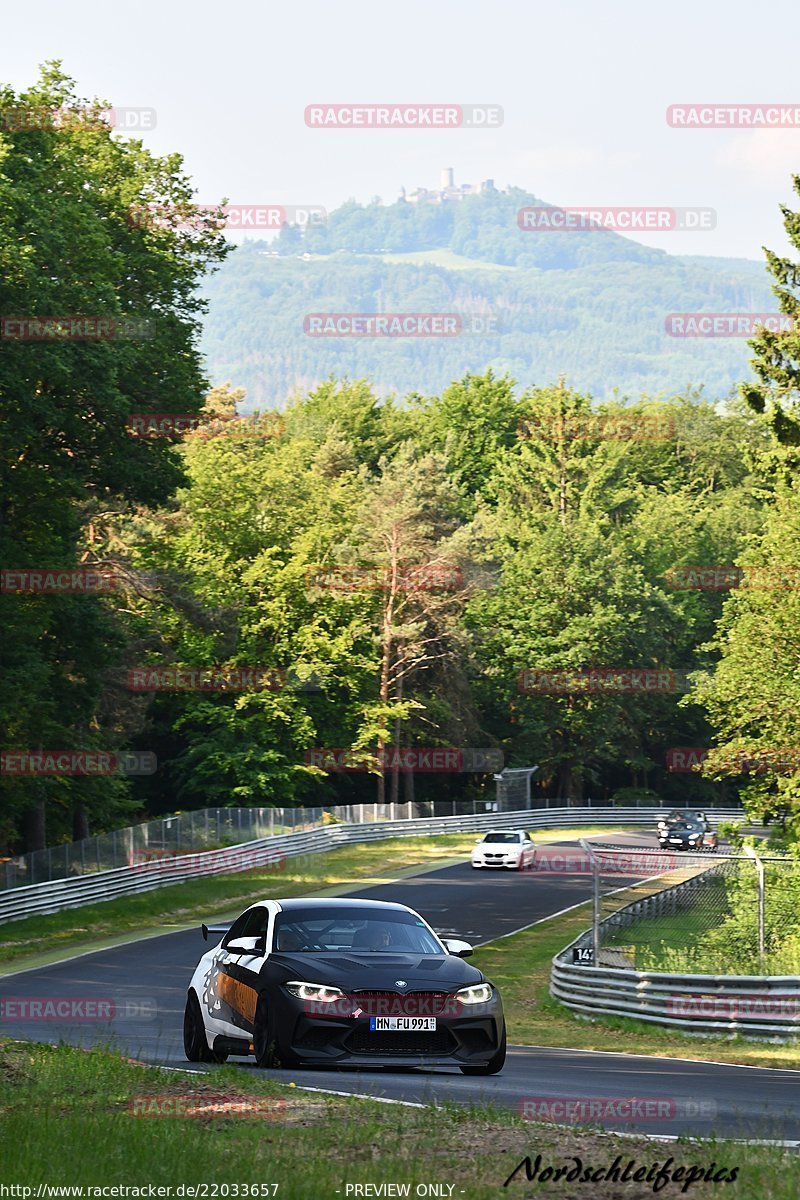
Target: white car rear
(508,848)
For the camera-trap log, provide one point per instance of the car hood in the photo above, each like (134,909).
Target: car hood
(498,846)
(379,972)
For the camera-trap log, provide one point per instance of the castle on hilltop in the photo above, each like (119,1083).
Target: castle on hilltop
(448,190)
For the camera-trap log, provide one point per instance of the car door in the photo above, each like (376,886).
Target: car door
(231,986)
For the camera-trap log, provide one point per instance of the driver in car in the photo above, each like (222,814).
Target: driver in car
(380,939)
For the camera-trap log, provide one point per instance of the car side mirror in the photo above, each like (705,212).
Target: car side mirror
(245,945)
(221,930)
(457,948)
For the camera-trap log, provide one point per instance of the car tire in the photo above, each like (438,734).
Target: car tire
(195,1043)
(495,1063)
(265,1039)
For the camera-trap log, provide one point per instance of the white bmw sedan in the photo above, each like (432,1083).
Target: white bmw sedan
(510,848)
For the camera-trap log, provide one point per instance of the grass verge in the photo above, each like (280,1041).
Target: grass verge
(93,1119)
(178,905)
(520,966)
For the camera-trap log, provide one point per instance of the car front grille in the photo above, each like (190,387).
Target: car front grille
(406,1004)
(363,1041)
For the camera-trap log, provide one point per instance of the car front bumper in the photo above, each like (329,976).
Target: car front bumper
(510,863)
(470,1038)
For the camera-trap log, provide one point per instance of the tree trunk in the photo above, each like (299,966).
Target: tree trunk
(36,826)
(408,787)
(394,791)
(80,823)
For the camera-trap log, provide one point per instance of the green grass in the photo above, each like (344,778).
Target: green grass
(178,905)
(70,1118)
(662,942)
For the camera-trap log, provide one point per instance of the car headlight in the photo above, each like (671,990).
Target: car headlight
(321,992)
(478,993)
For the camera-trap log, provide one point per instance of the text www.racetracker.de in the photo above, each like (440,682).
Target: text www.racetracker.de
(194,1191)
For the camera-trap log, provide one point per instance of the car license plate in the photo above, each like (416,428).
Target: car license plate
(398,1024)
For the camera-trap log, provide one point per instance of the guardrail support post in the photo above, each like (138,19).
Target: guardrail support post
(587,849)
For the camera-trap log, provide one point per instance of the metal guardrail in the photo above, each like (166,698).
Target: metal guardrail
(213,828)
(749,1005)
(53,896)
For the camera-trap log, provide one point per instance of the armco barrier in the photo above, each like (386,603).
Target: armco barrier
(747,1005)
(123,881)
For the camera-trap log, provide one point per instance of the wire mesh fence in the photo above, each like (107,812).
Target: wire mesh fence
(695,911)
(213,828)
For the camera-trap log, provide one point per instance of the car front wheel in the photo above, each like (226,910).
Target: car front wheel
(195,1043)
(265,1038)
(495,1063)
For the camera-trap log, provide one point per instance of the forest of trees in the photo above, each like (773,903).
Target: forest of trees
(590,304)
(402,568)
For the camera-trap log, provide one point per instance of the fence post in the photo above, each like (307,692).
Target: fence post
(750,852)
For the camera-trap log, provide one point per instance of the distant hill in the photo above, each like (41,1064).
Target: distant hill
(590,305)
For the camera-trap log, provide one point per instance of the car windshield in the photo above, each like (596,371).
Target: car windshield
(502,837)
(386,931)
(682,826)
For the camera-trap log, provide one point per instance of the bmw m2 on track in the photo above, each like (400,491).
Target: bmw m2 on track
(315,982)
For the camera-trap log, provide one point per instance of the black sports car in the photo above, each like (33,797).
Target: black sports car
(688,834)
(355,982)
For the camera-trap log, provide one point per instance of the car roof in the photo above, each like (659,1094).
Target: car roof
(322,902)
(491,831)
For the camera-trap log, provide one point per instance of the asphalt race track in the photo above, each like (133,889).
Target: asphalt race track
(139,992)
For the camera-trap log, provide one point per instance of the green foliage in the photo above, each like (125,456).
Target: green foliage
(591,305)
(68,247)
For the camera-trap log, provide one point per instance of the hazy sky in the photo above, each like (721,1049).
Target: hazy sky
(584,87)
